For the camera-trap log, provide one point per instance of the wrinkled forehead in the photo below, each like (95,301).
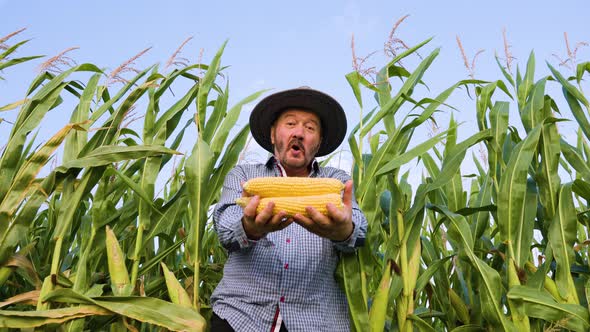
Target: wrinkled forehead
(306,115)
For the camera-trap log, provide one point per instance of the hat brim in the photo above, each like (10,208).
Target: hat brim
(329,111)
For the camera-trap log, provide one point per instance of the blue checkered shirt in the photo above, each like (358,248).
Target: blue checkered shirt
(291,269)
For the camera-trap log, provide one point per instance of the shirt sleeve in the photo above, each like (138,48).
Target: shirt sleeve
(357,238)
(227,216)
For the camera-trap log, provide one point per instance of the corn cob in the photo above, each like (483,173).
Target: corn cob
(295,205)
(292,186)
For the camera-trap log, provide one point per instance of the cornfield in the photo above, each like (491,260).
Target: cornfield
(89,244)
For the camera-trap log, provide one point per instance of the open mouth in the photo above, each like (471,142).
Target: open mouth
(296,147)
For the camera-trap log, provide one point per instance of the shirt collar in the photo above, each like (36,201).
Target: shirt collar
(273,162)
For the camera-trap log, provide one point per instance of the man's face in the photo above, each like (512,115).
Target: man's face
(296,136)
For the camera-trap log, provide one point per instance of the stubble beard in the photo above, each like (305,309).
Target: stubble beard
(298,163)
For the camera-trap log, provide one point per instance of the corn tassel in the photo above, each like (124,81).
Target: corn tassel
(292,186)
(296,205)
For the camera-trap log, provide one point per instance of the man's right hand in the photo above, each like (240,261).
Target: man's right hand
(258,225)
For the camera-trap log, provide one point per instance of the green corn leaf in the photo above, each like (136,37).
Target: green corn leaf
(405,157)
(217,115)
(430,165)
(469,328)
(491,287)
(516,225)
(450,165)
(570,88)
(562,236)
(484,101)
(578,113)
(541,305)
(420,323)
(459,230)
(144,309)
(354,146)
(112,126)
(395,102)
(136,188)
(230,157)
(8,51)
(574,158)
(354,79)
(220,137)
(12,152)
(433,267)
(175,110)
(16,61)
(77,139)
(349,271)
(481,220)
(18,319)
(109,102)
(157,259)
(205,87)
(506,74)
(580,69)
(582,188)
(167,214)
(532,111)
(499,126)
(198,169)
(109,154)
(526,85)
(13,105)
(548,178)
(23,180)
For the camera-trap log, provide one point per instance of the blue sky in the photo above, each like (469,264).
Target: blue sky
(285,44)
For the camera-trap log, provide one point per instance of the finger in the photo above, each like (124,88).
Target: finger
(284,223)
(336,213)
(318,218)
(277,219)
(250,209)
(266,214)
(303,221)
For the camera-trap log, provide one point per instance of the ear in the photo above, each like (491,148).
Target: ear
(272,135)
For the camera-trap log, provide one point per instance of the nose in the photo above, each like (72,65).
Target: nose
(298,131)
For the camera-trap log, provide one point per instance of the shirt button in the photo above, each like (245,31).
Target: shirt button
(282,299)
(286,266)
(288,240)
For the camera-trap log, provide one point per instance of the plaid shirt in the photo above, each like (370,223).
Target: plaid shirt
(291,269)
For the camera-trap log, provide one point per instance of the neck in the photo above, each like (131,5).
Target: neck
(299,171)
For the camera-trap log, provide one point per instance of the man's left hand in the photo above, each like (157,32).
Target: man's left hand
(337,225)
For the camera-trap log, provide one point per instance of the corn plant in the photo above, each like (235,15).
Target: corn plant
(92,244)
(449,258)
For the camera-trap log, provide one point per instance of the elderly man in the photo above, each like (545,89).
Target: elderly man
(279,275)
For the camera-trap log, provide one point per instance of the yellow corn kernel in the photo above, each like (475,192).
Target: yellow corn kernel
(295,205)
(292,186)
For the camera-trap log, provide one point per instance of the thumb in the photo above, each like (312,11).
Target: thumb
(347,197)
